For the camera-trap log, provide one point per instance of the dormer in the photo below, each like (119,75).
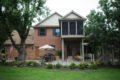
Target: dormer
(72,25)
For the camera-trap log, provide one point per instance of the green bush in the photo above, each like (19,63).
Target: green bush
(32,63)
(15,63)
(65,66)
(43,63)
(94,66)
(72,65)
(91,62)
(3,61)
(83,65)
(18,63)
(101,63)
(50,66)
(58,65)
(59,53)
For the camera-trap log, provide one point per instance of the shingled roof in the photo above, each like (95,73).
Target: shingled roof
(29,40)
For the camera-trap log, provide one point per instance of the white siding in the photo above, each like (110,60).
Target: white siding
(52,21)
(72,16)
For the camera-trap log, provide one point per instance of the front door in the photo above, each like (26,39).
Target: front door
(69,50)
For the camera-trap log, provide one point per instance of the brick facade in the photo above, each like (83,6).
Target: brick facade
(49,39)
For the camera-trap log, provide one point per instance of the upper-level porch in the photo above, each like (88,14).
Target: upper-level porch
(72,26)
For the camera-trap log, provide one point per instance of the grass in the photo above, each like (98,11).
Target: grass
(14,73)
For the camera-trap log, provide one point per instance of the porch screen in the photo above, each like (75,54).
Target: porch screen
(72,28)
(64,28)
(79,27)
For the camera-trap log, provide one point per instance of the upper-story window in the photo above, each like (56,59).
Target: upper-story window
(42,32)
(72,27)
(56,32)
(65,28)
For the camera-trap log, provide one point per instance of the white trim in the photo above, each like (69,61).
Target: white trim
(61,28)
(72,36)
(76,27)
(62,49)
(68,27)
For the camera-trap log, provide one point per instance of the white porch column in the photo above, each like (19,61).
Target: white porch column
(62,49)
(83,50)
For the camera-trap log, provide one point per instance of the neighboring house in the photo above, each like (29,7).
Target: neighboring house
(63,33)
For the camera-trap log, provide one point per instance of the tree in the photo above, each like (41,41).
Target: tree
(104,27)
(18,15)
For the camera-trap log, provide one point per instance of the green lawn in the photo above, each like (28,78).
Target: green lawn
(13,73)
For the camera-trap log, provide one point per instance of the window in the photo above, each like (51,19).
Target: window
(65,28)
(56,32)
(42,31)
(79,27)
(72,28)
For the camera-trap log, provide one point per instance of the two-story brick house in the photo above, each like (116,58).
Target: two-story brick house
(65,33)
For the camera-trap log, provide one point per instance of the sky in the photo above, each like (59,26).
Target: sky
(63,7)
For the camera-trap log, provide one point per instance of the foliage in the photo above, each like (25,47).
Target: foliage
(66,66)
(18,63)
(58,65)
(32,63)
(83,65)
(94,66)
(43,63)
(18,15)
(59,53)
(49,66)
(72,65)
(102,28)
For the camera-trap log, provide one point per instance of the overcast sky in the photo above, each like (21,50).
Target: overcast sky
(63,7)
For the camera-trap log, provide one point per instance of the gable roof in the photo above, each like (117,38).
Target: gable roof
(73,15)
(51,21)
(16,38)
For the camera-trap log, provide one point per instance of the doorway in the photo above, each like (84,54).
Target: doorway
(69,50)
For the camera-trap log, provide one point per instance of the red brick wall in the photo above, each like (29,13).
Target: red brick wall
(48,39)
(29,49)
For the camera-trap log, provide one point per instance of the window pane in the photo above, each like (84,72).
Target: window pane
(56,32)
(72,28)
(42,32)
(79,27)
(65,28)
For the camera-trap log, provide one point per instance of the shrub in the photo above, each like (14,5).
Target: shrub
(65,66)
(91,62)
(32,63)
(101,63)
(59,53)
(18,63)
(94,66)
(98,64)
(43,63)
(58,65)
(50,66)
(3,61)
(16,58)
(83,65)
(72,65)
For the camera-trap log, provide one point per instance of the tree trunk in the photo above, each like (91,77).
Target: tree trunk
(22,53)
